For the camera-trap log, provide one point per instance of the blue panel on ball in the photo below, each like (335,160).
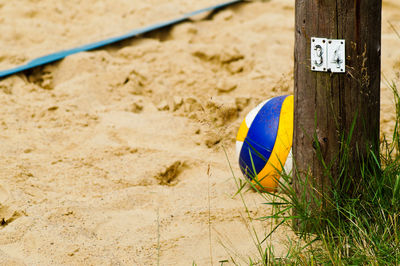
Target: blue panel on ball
(261,137)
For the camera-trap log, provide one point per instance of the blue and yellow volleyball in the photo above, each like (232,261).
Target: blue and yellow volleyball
(264,142)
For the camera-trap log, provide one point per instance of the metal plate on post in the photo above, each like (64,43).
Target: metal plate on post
(318,54)
(328,55)
(336,56)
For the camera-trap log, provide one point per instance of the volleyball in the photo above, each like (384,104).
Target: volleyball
(264,142)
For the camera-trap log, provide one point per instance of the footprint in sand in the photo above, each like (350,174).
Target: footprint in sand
(168,175)
(7,214)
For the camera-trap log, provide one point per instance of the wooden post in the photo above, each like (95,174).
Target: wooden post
(326,104)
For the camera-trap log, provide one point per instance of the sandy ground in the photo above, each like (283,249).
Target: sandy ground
(32,28)
(116,156)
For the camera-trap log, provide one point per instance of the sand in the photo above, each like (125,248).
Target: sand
(116,156)
(35,28)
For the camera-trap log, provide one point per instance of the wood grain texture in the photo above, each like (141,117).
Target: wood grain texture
(326,104)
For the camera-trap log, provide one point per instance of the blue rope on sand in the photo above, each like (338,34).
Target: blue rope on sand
(64,53)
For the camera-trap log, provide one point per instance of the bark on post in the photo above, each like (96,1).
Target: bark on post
(326,104)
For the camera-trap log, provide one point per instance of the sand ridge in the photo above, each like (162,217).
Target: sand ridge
(106,153)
